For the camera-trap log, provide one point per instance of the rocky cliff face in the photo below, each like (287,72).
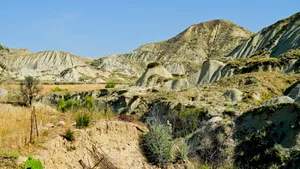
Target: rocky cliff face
(214,70)
(274,40)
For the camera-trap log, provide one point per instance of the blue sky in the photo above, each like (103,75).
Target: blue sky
(94,28)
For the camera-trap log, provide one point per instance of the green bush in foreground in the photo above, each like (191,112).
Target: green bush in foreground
(111,84)
(157,145)
(32,163)
(82,120)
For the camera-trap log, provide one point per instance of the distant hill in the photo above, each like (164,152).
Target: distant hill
(189,49)
(183,54)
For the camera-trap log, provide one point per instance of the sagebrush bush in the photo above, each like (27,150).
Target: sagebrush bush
(181,150)
(110,84)
(68,105)
(32,163)
(71,104)
(157,145)
(260,150)
(69,135)
(89,103)
(185,122)
(61,105)
(82,120)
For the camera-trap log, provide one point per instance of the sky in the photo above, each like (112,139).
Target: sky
(95,28)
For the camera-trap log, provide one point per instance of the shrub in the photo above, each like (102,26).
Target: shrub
(89,103)
(185,122)
(260,150)
(152,65)
(32,163)
(181,150)
(57,89)
(71,104)
(9,154)
(157,145)
(84,78)
(110,84)
(69,135)
(82,120)
(61,105)
(68,105)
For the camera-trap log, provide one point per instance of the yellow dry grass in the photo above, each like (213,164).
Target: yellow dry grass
(70,87)
(15,124)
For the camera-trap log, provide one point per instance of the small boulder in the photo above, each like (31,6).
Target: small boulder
(278,100)
(61,123)
(234,96)
(295,93)
(50,125)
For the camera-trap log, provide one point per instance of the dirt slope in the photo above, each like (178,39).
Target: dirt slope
(118,141)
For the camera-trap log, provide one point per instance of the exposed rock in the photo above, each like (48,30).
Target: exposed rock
(274,40)
(234,96)
(213,70)
(210,72)
(60,123)
(177,84)
(279,100)
(185,52)
(117,63)
(154,76)
(50,125)
(294,92)
(75,74)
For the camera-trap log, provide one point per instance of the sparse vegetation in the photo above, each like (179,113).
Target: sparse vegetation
(89,103)
(58,89)
(67,105)
(181,150)
(82,120)
(185,121)
(69,135)
(9,154)
(84,78)
(110,84)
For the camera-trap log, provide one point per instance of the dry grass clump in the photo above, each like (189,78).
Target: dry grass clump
(15,124)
